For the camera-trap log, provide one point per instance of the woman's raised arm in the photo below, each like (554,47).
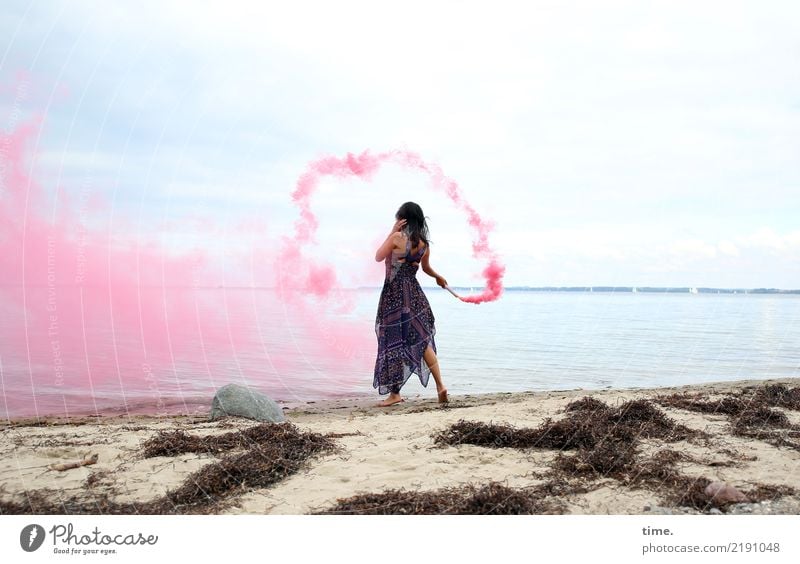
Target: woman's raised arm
(392,241)
(388,245)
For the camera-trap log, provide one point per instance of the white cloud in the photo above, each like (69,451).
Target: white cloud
(770,240)
(692,249)
(728,248)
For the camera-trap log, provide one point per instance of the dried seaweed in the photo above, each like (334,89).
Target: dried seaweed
(608,458)
(586,403)
(759,416)
(490,499)
(275,452)
(487,435)
(695,402)
(588,424)
(605,442)
(765,492)
(173,443)
(645,420)
(686,491)
(659,474)
(52,502)
(779,395)
(750,414)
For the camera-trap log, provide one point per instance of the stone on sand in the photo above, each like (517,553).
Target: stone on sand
(240,401)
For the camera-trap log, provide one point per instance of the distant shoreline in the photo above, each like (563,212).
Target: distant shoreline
(587,289)
(651,290)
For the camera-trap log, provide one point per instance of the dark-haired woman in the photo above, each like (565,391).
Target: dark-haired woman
(405,323)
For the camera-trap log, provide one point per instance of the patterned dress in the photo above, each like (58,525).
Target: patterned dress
(404,324)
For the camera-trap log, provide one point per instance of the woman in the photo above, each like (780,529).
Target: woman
(405,323)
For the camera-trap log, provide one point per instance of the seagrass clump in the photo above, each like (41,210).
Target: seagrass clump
(689,491)
(768,492)
(609,457)
(656,471)
(751,413)
(587,403)
(490,499)
(759,415)
(659,474)
(274,451)
(696,402)
(749,399)
(261,466)
(605,441)
(53,502)
(779,395)
(490,435)
(588,423)
(173,443)
(645,420)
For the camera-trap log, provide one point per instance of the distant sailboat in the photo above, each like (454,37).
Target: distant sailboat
(635,290)
(692,290)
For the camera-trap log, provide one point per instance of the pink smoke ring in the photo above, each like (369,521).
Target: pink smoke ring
(321,279)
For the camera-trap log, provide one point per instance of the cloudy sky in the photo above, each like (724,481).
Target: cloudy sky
(630,143)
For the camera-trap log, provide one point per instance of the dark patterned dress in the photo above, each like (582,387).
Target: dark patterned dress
(404,325)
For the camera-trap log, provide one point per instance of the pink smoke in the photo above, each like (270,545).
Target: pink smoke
(94,315)
(303,275)
(93,311)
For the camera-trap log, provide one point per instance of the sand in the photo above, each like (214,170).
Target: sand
(386,448)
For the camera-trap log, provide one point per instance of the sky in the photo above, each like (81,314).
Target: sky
(611,143)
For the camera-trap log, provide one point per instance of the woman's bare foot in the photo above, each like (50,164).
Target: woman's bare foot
(391,400)
(443,395)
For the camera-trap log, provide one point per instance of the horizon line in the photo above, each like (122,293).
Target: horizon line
(516,288)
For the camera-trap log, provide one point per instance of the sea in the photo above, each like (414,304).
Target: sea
(525,341)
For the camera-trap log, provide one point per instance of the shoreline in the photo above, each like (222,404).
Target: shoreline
(394,448)
(361,402)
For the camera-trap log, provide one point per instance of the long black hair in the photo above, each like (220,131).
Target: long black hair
(416,226)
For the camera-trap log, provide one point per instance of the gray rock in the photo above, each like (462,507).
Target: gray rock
(233,399)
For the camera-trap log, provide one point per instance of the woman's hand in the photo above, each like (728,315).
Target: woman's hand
(398,225)
(441,281)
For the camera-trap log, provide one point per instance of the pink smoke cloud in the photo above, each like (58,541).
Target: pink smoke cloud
(99,314)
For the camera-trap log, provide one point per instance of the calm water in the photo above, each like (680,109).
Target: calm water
(526,341)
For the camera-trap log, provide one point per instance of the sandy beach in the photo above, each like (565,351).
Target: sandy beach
(379,449)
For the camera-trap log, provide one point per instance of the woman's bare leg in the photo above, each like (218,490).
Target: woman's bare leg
(433,364)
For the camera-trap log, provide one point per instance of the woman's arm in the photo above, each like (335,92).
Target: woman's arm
(426,268)
(391,242)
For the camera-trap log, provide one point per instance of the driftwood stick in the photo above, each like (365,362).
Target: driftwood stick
(69,465)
